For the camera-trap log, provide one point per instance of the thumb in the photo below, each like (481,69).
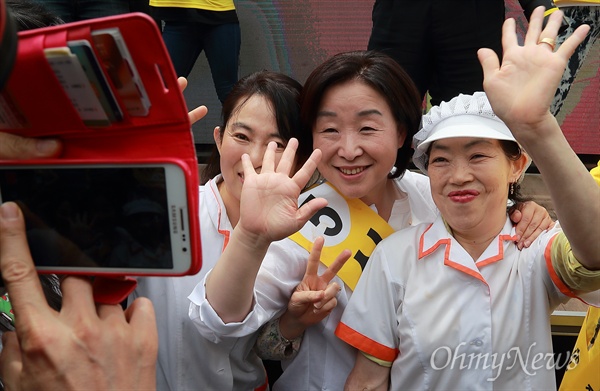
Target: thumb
(17,147)
(489,61)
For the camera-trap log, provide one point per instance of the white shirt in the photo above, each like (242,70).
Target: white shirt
(324,361)
(448,322)
(186,360)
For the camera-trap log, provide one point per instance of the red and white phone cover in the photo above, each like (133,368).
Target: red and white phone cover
(41,108)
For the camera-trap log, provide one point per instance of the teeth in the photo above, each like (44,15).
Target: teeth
(353,171)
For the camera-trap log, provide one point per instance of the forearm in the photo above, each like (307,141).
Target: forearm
(230,285)
(367,375)
(574,193)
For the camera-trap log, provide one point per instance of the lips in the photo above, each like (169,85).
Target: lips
(463,196)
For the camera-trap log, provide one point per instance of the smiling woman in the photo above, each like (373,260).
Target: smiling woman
(491,326)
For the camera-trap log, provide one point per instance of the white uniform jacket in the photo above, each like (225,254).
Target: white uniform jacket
(186,360)
(323,362)
(449,323)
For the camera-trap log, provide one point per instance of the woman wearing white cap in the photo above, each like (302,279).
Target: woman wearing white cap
(455,304)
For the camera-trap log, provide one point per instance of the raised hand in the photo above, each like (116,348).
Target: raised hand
(84,346)
(315,296)
(522,88)
(269,200)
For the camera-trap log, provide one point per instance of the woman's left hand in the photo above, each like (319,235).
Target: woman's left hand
(522,87)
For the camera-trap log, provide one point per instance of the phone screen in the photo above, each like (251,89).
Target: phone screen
(96,217)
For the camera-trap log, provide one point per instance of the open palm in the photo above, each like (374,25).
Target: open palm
(269,199)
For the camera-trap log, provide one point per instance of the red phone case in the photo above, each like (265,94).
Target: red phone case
(163,136)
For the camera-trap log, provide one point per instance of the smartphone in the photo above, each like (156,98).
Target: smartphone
(126,219)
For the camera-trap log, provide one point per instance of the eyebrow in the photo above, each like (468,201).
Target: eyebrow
(362,113)
(466,146)
(248,128)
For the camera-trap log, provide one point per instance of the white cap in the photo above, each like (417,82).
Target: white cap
(462,116)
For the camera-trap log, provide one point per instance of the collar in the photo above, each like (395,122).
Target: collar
(436,238)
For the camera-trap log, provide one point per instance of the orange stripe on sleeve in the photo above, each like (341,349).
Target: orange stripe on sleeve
(555,278)
(365,344)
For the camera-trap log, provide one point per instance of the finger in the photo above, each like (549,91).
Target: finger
(288,158)
(303,175)
(307,210)
(326,307)
(18,271)
(331,291)
(268,164)
(330,294)
(247,166)
(197,114)
(11,362)
(567,48)
(314,258)
(336,265)
(489,62)
(554,24)
(531,231)
(182,83)
(303,298)
(142,318)
(536,21)
(17,147)
(509,34)
(78,299)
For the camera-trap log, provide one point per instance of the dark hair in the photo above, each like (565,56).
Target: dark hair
(32,15)
(377,71)
(282,91)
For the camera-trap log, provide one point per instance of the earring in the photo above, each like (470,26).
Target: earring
(511,189)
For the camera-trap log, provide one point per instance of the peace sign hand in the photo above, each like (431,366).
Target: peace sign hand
(315,296)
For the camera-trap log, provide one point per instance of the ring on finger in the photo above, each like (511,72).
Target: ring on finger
(548,41)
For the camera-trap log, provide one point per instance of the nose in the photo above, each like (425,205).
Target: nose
(460,172)
(349,146)
(257,153)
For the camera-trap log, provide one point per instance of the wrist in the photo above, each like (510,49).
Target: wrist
(251,242)
(290,327)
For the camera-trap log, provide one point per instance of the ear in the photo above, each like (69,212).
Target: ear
(217,137)
(401,136)
(518,167)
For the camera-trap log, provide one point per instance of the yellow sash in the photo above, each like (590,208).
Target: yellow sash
(344,224)
(583,371)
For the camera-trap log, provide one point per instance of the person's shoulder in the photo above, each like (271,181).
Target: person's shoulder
(403,241)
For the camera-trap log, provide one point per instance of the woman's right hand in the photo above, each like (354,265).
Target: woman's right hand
(269,202)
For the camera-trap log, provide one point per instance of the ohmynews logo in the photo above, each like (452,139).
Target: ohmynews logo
(446,358)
